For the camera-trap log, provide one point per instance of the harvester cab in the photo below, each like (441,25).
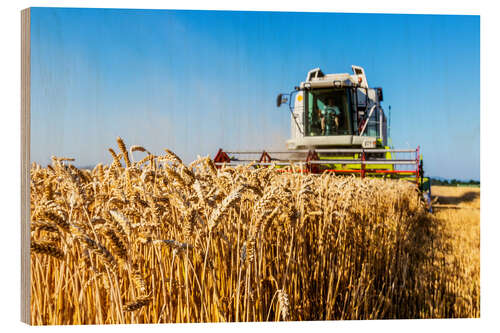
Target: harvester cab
(336,110)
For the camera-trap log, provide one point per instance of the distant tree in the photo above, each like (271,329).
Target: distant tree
(440,182)
(453,182)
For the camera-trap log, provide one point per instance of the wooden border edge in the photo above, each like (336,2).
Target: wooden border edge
(25,164)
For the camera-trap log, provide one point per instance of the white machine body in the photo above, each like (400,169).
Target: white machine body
(337,110)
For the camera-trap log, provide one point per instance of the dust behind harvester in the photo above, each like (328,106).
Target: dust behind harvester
(337,125)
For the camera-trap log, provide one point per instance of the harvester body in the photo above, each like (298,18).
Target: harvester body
(337,125)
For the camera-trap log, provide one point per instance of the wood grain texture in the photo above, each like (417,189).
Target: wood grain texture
(25,164)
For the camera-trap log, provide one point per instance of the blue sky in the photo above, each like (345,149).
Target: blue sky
(194,81)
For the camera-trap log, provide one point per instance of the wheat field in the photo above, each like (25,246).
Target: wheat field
(458,210)
(148,239)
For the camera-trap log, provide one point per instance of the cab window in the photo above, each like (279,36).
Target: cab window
(327,112)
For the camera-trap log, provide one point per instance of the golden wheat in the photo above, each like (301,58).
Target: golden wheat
(165,242)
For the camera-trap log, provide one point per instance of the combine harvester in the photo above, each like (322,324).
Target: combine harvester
(337,125)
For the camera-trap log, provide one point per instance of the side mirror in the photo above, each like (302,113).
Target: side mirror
(380,94)
(281,99)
